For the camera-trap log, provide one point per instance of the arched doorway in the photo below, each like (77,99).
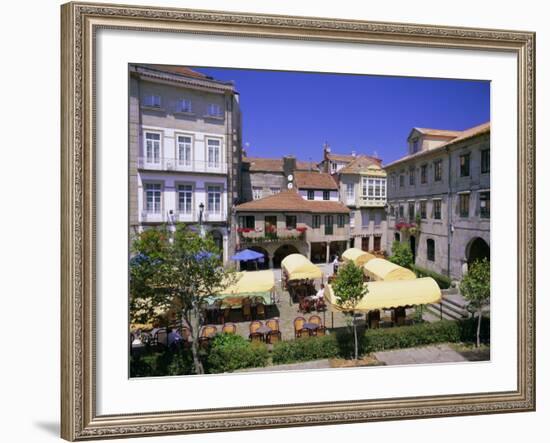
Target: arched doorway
(261,264)
(477,249)
(412,241)
(281,253)
(218,239)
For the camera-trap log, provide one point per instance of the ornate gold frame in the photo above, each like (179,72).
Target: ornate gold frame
(79,23)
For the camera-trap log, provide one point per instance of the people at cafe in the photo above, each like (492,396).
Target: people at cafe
(335,264)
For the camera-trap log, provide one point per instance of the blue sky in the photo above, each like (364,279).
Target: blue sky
(295,113)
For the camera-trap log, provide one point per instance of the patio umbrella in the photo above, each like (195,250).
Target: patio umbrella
(247,255)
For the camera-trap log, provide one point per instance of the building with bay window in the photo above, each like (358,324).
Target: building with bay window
(439,198)
(185,150)
(362,184)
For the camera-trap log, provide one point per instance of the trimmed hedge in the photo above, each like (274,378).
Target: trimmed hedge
(443,281)
(341,344)
(305,349)
(159,364)
(230,352)
(411,336)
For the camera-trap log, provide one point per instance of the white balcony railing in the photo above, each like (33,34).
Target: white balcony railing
(186,217)
(176,164)
(369,201)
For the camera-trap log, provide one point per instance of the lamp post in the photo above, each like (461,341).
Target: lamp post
(201,228)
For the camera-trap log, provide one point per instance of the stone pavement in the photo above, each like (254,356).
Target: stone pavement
(316,364)
(429,354)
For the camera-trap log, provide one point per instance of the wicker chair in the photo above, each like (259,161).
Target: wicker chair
(247,309)
(273,337)
(207,332)
(299,326)
(254,326)
(260,310)
(273,324)
(229,328)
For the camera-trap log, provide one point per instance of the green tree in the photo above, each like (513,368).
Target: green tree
(401,254)
(349,289)
(175,270)
(476,288)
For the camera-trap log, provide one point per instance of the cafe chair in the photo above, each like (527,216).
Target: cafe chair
(273,337)
(229,328)
(299,326)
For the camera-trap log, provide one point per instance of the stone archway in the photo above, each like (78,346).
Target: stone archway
(265,263)
(282,252)
(477,249)
(412,242)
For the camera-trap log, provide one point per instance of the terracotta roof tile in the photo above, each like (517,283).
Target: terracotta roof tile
(360,164)
(439,132)
(290,201)
(314,180)
(181,70)
(260,164)
(463,135)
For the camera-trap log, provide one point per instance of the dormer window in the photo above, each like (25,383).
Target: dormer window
(415,146)
(184,105)
(152,100)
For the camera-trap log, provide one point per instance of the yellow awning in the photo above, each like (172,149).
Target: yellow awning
(381,269)
(357,256)
(298,267)
(253,281)
(391,294)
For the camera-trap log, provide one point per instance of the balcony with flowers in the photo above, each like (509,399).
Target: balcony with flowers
(271,234)
(408,227)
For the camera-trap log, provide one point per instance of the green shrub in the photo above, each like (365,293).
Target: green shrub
(410,336)
(443,281)
(161,363)
(401,254)
(306,349)
(230,352)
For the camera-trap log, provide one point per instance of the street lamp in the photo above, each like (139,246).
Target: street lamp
(201,210)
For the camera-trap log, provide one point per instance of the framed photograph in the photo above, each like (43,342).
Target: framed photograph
(275,221)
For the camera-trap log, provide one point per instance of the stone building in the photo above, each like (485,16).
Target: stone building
(185,150)
(286,223)
(262,177)
(362,185)
(439,198)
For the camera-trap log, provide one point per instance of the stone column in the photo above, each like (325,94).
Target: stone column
(328,253)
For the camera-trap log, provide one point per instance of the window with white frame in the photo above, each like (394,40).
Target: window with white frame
(214,152)
(152,100)
(184,149)
(352,219)
(214,110)
(184,105)
(214,199)
(373,188)
(350,192)
(153,197)
(185,199)
(152,147)
(256,192)
(377,218)
(333,167)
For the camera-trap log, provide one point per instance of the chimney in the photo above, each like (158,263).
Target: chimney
(326,152)
(289,166)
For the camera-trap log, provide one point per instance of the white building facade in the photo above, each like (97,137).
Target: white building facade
(184,151)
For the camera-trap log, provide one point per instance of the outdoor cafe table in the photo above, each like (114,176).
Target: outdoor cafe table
(310,326)
(264,330)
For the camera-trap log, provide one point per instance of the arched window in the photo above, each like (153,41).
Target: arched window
(430,248)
